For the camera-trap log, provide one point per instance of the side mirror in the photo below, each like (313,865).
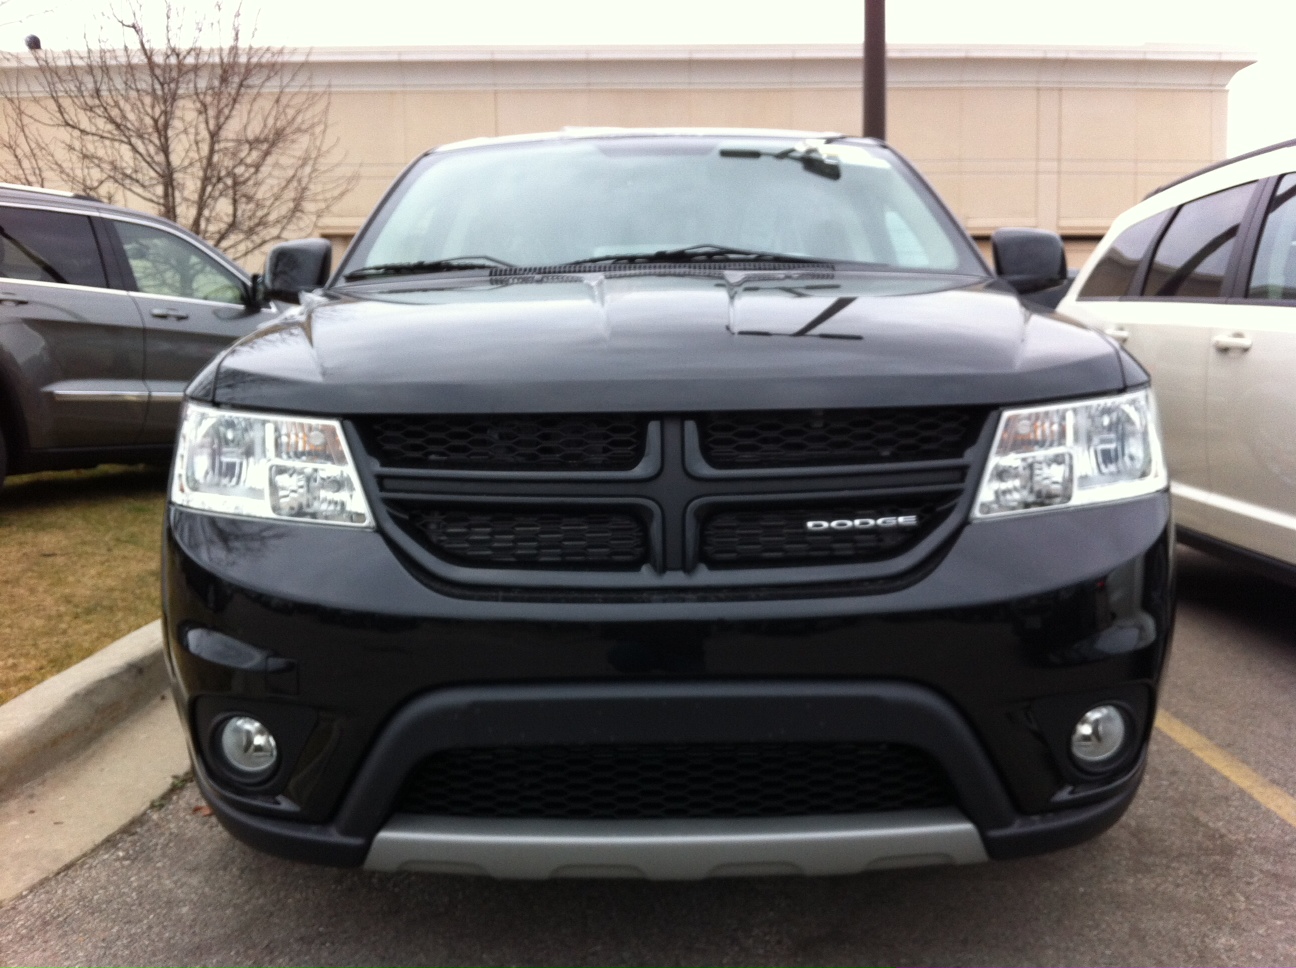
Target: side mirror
(1029,259)
(295,267)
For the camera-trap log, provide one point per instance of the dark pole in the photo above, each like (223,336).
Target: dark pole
(875,69)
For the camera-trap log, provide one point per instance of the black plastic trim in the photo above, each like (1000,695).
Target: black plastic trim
(906,561)
(698,467)
(671,496)
(523,577)
(1043,832)
(878,711)
(1249,239)
(1139,279)
(116,269)
(648,467)
(722,712)
(292,840)
(1239,269)
(1272,568)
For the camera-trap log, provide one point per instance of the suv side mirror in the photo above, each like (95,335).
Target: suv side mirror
(1029,259)
(295,267)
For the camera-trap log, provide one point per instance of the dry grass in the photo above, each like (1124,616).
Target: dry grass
(79,560)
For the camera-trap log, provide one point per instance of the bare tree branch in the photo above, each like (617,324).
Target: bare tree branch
(200,125)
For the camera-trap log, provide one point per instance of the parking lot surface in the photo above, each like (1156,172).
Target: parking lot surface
(1202,870)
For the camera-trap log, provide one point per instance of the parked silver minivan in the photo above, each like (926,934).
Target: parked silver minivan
(1198,282)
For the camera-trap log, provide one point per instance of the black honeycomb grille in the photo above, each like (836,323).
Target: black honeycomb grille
(510,442)
(629,781)
(520,538)
(780,536)
(809,438)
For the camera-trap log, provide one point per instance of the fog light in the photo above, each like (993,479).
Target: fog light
(1099,736)
(248,747)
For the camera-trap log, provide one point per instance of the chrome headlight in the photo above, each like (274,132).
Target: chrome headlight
(1071,454)
(265,466)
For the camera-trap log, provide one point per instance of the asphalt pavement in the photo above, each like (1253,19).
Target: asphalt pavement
(1199,871)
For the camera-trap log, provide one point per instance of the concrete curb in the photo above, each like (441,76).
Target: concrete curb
(52,721)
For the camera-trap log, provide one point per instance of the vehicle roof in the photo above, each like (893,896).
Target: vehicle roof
(576,133)
(69,201)
(1255,153)
(1275,160)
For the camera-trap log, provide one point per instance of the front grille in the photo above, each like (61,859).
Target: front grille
(631,494)
(642,781)
(809,438)
(510,442)
(779,536)
(543,538)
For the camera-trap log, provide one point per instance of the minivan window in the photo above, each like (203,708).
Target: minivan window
(1274,274)
(555,203)
(1114,274)
(166,265)
(49,247)
(1194,253)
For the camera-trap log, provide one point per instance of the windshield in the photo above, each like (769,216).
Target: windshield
(680,198)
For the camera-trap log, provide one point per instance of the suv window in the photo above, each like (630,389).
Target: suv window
(1194,253)
(1274,274)
(1113,276)
(167,265)
(49,247)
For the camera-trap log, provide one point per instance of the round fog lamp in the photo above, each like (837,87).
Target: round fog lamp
(1099,736)
(248,747)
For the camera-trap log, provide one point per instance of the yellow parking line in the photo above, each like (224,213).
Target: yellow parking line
(1252,783)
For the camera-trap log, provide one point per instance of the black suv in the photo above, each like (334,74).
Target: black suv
(105,315)
(667,504)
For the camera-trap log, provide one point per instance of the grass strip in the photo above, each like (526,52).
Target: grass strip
(79,566)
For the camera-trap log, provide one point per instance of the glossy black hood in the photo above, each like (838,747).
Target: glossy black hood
(655,341)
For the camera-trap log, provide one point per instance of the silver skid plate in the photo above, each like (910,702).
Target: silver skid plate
(675,849)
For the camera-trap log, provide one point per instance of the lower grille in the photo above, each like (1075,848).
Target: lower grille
(544,538)
(641,781)
(782,536)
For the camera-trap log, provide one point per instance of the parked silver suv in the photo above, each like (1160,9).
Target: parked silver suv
(105,316)
(1198,281)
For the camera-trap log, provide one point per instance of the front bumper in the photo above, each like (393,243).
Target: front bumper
(361,670)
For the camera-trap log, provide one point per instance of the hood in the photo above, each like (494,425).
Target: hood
(659,341)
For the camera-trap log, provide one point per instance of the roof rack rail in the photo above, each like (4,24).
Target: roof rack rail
(48,191)
(1291,143)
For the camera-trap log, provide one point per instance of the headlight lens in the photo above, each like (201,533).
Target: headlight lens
(263,466)
(1070,454)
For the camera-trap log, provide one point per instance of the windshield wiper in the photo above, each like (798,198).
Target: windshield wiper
(706,252)
(811,159)
(433,265)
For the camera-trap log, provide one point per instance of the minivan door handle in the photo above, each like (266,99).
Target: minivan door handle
(1119,333)
(168,314)
(12,299)
(1238,341)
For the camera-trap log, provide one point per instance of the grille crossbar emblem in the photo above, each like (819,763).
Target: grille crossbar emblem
(864,524)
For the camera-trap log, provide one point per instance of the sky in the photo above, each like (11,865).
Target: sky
(1261,108)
